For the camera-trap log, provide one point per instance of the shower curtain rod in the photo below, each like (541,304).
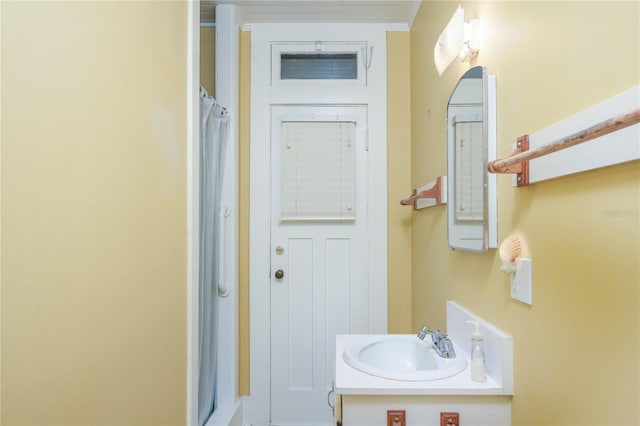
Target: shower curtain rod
(518,161)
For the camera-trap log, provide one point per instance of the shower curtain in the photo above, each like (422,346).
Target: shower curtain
(214,124)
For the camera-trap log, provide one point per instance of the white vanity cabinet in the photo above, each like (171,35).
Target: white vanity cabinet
(364,399)
(423,410)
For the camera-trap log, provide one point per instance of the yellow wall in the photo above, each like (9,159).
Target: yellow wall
(576,349)
(208,59)
(398,182)
(398,187)
(94,213)
(243,224)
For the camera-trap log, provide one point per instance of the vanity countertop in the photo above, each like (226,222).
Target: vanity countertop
(349,381)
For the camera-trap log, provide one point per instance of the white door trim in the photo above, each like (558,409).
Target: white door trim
(262,96)
(193,191)
(227,53)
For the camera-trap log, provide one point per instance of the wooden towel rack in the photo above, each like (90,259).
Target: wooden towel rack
(435,191)
(518,162)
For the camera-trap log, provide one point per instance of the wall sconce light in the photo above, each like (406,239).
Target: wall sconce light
(471,41)
(458,39)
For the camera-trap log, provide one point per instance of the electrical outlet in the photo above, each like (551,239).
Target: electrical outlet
(521,282)
(396,418)
(449,419)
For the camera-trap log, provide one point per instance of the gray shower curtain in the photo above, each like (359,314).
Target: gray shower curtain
(214,124)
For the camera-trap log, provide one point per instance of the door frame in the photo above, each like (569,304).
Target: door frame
(263,95)
(193,191)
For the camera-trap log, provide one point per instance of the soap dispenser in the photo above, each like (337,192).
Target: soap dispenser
(478,370)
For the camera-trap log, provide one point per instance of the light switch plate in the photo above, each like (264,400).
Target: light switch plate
(521,282)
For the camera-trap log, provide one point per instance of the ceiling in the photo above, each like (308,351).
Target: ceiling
(382,11)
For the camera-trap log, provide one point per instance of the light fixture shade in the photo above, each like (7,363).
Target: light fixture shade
(477,33)
(447,47)
(471,41)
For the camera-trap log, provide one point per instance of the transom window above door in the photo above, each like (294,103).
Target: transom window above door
(332,64)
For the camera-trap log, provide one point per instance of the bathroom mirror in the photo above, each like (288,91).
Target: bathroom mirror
(471,144)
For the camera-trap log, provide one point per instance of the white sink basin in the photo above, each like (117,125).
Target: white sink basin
(401,357)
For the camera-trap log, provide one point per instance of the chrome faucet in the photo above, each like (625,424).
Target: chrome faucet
(441,342)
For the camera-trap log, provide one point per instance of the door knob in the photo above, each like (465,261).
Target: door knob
(279,274)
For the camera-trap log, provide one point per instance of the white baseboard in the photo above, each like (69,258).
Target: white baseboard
(227,416)
(238,415)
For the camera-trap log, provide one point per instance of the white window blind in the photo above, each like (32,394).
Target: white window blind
(318,171)
(469,171)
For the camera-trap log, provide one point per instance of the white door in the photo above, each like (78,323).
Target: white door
(319,255)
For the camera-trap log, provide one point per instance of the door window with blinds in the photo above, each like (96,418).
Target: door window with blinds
(469,173)
(318,170)
(318,63)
